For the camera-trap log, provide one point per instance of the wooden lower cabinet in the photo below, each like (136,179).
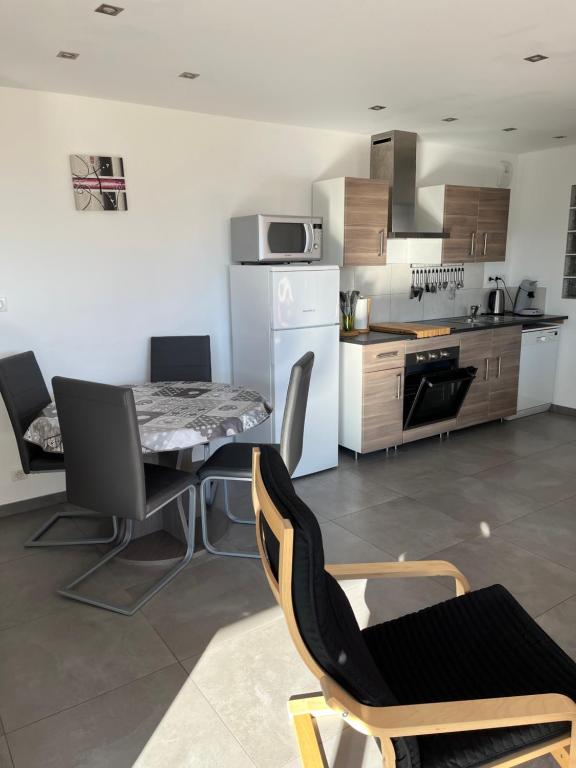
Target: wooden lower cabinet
(505,370)
(476,350)
(494,392)
(382,407)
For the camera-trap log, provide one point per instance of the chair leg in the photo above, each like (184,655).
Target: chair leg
(562,757)
(229,514)
(204,521)
(189,529)
(36,539)
(303,713)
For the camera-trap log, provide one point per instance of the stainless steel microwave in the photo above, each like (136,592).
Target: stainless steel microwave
(270,239)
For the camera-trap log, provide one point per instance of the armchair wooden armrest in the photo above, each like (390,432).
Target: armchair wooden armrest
(451,716)
(408,570)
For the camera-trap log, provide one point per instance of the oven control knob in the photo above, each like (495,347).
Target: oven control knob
(444,353)
(432,355)
(421,358)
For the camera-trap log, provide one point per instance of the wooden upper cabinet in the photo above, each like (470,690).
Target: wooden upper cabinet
(355,220)
(477,219)
(461,220)
(493,209)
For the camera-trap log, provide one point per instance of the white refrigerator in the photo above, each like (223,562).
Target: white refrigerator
(278,313)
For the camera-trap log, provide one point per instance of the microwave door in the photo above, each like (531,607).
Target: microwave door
(439,397)
(287,237)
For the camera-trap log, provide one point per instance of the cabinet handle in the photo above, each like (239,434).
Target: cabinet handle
(381,243)
(487,369)
(472,243)
(485,243)
(398,386)
(387,354)
(499,367)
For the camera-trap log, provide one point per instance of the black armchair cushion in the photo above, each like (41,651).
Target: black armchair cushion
(232,460)
(324,616)
(482,645)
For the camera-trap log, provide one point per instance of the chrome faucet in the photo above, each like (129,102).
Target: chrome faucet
(474,309)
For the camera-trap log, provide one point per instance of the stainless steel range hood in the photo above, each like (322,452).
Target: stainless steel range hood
(393,159)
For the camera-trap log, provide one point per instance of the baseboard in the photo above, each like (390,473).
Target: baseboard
(29,505)
(563,409)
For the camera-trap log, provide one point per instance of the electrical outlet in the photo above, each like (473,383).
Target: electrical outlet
(3,304)
(19,474)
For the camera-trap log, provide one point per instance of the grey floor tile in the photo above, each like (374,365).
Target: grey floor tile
(248,680)
(550,532)
(467,458)
(552,426)
(17,529)
(537,583)
(342,546)
(563,457)
(71,656)
(192,735)
(340,493)
(510,436)
(542,483)
(348,748)
(404,526)
(33,582)
(206,603)
(5,759)
(473,500)
(109,730)
(559,622)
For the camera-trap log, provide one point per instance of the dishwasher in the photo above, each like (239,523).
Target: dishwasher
(538,358)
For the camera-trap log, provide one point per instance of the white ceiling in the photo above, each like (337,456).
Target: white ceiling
(317,63)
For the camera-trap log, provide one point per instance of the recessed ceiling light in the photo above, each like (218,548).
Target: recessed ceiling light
(189,75)
(108,10)
(377,107)
(559,137)
(507,130)
(67,55)
(449,119)
(535,58)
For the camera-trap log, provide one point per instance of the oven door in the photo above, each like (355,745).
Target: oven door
(439,397)
(288,238)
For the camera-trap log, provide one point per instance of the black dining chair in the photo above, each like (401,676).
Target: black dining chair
(472,681)
(106,475)
(25,395)
(180,358)
(233,461)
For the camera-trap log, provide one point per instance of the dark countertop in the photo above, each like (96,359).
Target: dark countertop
(458,325)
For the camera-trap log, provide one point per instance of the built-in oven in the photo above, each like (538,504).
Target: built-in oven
(434,386)
(270,239)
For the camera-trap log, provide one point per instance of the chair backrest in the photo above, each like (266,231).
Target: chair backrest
(102,449)
(25,395)
(318,614)
(293,421)
(180,358)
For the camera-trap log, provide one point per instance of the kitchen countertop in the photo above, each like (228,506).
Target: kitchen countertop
(458,325)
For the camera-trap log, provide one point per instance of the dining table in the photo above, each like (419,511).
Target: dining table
(173,418)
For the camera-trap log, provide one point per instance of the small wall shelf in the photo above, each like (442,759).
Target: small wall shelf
(569,280)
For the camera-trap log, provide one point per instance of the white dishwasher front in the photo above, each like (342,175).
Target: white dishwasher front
(537,369)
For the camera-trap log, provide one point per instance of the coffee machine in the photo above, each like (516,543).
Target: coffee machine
(523,300)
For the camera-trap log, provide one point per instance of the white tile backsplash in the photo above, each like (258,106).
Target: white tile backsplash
(468,296)
(380,309)
(400,278)
(347,278)
(403,308)
(438,305)
(372,281)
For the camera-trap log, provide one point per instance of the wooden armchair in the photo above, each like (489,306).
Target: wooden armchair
(470,682)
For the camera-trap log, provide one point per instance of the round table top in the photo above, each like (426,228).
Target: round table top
(174,415)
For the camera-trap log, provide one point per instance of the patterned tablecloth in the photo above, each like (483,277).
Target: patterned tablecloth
(173,415)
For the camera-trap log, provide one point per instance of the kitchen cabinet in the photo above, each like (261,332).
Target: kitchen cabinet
(476,217)
(371,396)
(494,392)
(382,406)
(355,220)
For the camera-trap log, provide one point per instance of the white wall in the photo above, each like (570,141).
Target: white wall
(87,290)
(538,225)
